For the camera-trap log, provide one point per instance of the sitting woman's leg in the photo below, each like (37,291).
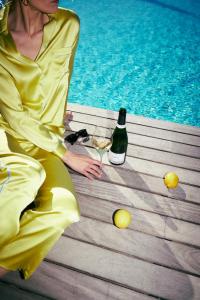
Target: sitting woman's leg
(56,208)
(20,178)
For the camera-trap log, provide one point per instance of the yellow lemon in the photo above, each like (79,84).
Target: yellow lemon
(171,180)
(122,218)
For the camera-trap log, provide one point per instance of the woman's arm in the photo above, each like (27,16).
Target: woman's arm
(20,120)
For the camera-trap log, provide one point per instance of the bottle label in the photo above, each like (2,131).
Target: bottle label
(116,158)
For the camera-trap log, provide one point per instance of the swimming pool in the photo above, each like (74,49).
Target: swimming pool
(140,54)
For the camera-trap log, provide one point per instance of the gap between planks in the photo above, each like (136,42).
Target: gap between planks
(145,183)
(137,244)
(163,134)
(107,280)
(11,291)
(147,222)
(125,270)
(146,141)
(182,128)
(66,283)
(155,155)
(138,165)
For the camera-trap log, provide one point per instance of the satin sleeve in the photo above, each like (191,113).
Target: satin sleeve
(22,122)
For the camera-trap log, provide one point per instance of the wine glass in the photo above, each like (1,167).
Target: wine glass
(102,140)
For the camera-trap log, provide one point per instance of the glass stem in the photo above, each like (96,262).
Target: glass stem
(101,155)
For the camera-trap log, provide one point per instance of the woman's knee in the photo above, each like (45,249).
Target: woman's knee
(68,217)
(65,201)
(27,175)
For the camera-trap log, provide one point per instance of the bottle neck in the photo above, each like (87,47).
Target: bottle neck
(121,118)
(121,126)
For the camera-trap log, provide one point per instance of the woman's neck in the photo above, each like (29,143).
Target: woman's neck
(26,19)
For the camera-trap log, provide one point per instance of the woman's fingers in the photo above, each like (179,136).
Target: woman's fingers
(91,174)
(95,173)
(92,161)
(88,175)
(97,162)
(83,164)
(95,170)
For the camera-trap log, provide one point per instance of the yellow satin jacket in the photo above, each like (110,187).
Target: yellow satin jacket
(33,92)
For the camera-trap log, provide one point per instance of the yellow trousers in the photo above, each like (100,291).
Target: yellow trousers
(27,235)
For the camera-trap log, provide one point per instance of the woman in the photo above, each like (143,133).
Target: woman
(37,47)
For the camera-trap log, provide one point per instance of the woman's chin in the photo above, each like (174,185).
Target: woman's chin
(54,5)
(52,10)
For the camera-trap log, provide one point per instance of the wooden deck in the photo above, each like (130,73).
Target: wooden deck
(158,256)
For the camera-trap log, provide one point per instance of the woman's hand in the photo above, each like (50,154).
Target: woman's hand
(83,164)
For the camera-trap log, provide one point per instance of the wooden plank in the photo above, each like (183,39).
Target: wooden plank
(143,246)
(149,184)
(149,142)
(139,129)
(171,159)
(8,291)
(122,195)
(143,221)
(147,167)
(128,271)
(61,283)
(135,119)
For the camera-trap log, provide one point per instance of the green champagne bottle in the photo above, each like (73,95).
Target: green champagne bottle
(117,152)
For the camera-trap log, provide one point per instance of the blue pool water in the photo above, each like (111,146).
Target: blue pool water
(140,54)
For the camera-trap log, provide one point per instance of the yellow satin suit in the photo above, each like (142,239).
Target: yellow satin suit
(32,105)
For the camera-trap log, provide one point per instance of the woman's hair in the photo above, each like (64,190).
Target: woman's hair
(3,4)
(13,3)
